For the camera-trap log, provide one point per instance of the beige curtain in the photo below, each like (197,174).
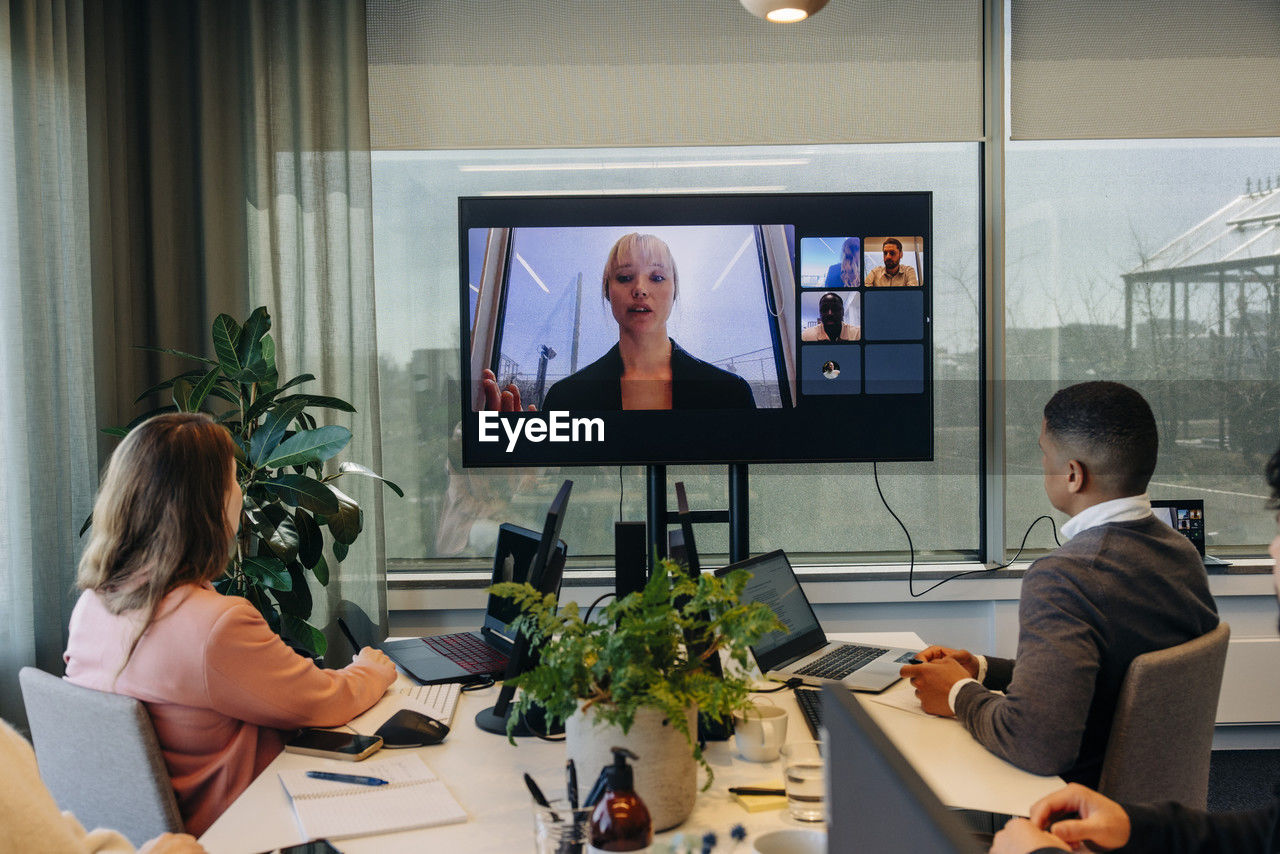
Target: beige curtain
(309,233)
(46,361)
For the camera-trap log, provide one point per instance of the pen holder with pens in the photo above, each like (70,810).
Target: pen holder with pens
(558,829)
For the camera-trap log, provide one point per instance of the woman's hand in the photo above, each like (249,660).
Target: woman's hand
(377,660)
(501,400)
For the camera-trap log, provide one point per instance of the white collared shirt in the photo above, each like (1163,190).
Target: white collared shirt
(1128,509)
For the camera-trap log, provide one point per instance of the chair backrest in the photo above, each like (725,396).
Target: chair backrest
(99,756)
(1162,733)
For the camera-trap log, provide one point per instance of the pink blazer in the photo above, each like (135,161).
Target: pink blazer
(219,685)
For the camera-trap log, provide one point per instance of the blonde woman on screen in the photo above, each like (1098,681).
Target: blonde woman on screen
(222,689)
(646,369)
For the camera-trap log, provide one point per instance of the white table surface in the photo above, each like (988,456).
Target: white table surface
(483,772)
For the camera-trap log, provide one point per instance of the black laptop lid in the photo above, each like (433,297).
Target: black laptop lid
(512,558)
(1184,515)
(876,802)
(774,583)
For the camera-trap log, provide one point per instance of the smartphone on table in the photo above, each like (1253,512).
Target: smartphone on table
(333,745)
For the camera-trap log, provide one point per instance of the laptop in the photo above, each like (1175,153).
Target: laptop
(877,803)
(1186,516)
(802,649)
(467,656)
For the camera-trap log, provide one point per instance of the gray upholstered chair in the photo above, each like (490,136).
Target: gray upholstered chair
(1162,734)
(99,756)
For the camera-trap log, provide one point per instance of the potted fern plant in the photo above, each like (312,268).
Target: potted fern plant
(281,452)
(626,678)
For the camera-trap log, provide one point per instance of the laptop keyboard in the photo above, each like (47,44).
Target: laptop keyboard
(842,661)
(811,708)
(468,652)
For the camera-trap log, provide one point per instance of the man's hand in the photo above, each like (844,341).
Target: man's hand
(966,659)
(172,843)
(1102,821)
(933,680)
(1022,837)
(505,400)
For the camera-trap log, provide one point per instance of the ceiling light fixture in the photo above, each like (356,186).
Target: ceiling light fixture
(783,11)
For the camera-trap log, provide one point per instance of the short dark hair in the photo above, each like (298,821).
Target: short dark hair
(1273,480)
(1110,428)
(833,295)
(895,241)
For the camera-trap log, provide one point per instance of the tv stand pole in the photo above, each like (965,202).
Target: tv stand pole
(738,516)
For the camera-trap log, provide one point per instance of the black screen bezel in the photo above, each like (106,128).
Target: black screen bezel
(854,428)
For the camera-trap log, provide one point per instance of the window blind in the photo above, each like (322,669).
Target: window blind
(613,73)
(1101,69)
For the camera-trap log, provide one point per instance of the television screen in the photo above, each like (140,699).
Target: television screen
(696,329)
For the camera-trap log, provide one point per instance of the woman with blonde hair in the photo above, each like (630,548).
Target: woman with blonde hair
(646,369)
(221,687)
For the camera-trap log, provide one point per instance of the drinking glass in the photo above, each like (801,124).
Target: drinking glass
(804,776)
(557,829)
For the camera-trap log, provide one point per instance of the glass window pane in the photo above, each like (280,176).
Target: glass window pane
(829,512)
(1156,264)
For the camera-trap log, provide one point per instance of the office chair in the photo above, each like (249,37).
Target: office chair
(1162,734)
(99,756)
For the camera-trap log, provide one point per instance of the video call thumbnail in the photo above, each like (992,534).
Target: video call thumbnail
(830,262)
(892,262)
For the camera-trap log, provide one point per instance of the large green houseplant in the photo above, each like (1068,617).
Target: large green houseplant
(281,451)
(633,656)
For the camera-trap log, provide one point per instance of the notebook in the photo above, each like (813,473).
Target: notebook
(802,650)
(437,701)
(463,656)
(414,797)
(1186,516)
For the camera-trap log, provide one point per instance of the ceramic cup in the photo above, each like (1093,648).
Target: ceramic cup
(760,731)
(791,842)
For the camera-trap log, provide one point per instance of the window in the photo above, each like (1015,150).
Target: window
(828,513)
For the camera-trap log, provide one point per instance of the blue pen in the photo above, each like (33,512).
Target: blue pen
(347,778)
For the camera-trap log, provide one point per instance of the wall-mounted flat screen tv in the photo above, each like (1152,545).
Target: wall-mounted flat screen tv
(696,328)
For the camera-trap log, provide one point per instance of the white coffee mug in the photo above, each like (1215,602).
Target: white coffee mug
(791,842)
(760,731)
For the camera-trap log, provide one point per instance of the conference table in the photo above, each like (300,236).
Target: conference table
(484,773)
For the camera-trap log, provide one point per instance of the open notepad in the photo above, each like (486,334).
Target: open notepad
(414,797)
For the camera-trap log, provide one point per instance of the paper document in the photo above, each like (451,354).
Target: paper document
(414,797)
(900,696)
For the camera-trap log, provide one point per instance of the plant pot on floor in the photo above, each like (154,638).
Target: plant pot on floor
(666,774)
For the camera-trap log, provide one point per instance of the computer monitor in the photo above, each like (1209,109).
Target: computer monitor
(876,802)
(544,574)
(802,327)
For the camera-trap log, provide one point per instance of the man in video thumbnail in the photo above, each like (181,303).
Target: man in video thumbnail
(892,273)
(832,327)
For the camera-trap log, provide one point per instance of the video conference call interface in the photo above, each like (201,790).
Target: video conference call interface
(856,323)
(696,328)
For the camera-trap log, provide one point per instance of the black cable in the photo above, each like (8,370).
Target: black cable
(592,606)
(911,546)
(621,489)
(477,684)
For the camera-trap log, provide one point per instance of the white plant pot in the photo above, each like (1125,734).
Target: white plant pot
(666,774)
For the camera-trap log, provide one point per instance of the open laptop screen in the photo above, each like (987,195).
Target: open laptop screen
(774,583)
(1184,515)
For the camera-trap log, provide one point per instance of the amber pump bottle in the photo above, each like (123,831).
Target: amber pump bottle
(620,821)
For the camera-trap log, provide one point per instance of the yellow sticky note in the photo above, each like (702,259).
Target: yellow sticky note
(761,803)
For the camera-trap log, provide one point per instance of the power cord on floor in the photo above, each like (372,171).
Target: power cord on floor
(911,571)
